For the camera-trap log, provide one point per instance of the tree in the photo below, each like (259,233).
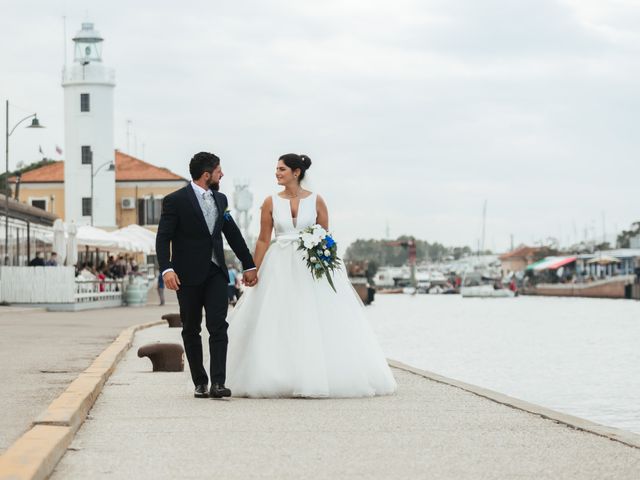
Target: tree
(380,252)
(624,239)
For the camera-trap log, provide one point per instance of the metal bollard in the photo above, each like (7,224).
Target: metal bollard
(165,357)
(173,319)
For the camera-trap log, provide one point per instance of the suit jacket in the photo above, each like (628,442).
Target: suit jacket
(184,243)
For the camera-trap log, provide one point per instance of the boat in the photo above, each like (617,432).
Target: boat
(478,285)
(486,291)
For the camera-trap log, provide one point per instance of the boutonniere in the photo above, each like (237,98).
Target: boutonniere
(227,215)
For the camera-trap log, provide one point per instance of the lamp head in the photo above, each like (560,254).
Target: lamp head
(35,123)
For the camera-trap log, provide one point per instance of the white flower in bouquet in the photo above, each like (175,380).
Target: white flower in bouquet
(318,230)
(313,259)
(308,240)
(318,234)
(327,253)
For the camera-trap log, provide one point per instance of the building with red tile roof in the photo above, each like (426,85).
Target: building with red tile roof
(140,187)
(517,260)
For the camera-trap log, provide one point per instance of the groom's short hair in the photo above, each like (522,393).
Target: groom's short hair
(202,162)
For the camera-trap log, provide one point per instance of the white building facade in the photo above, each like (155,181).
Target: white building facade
(89,134)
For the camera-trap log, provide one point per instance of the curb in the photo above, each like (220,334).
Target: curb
(616,434)
(36,453)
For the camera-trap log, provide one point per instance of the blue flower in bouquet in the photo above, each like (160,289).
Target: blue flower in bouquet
(227,215)
(330,241)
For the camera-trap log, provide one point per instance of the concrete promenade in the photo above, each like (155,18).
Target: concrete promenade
(42,352)
(148,425)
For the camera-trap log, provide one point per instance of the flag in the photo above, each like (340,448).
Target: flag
(58,150)
(40,149)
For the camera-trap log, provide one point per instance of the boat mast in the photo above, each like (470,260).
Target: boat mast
(484,223)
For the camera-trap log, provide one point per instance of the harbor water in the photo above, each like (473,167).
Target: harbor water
(576,355)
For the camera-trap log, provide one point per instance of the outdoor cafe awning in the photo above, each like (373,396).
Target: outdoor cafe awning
(551,263)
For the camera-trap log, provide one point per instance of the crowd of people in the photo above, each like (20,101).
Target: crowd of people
(114,268)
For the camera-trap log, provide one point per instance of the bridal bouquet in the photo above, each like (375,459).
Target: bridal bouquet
(320,252)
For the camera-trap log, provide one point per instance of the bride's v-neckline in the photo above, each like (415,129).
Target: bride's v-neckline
(294,220)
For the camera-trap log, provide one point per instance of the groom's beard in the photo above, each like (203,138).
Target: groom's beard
(214,186)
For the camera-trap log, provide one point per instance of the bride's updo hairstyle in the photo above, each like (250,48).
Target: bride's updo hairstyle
(295,161)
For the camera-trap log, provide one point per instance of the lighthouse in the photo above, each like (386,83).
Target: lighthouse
(89,167)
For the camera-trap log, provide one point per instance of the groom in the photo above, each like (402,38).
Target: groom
(191,258)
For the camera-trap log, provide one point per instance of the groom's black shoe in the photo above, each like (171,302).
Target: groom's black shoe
(201,391)
(219,390)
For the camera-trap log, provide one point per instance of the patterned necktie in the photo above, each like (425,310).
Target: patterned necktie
(210,214)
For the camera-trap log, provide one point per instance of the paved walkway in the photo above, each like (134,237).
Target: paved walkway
(148,426)
(42,352)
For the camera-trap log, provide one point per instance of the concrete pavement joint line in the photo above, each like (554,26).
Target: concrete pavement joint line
(618,435)
(36,453)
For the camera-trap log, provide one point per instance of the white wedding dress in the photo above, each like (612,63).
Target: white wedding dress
(293,336)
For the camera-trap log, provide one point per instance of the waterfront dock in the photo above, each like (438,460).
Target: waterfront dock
(147,425)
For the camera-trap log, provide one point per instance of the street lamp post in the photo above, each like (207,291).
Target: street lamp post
(110,168)
(34,124)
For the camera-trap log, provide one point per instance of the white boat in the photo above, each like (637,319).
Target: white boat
(486,291)
(485,284)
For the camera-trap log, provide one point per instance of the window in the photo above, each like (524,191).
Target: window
(85,103)
(87,155)
(149,210)
(42,204)
(86,206)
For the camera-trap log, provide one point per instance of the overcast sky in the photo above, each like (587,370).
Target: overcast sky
(414,112)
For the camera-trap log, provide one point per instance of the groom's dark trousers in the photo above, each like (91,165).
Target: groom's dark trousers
(212,294)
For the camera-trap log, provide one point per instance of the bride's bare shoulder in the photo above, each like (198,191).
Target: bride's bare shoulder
(268,202)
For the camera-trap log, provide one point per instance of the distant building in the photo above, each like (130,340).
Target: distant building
(139,190)
(519,259)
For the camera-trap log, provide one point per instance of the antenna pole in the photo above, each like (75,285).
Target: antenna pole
(484,222)
(64,39)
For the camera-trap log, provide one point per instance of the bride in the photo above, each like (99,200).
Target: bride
(292,335)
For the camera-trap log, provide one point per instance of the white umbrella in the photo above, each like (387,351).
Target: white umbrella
(129,243)
(604,260)
(97,238)
(144,239)
(59,243)
(72,244)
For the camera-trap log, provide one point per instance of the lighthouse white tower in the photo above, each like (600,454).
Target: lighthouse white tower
(88,123)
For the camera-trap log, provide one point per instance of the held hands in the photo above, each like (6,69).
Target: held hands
(171,281)
(250,278)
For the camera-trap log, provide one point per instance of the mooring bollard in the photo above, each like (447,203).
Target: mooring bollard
(173,319)
(165,357)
